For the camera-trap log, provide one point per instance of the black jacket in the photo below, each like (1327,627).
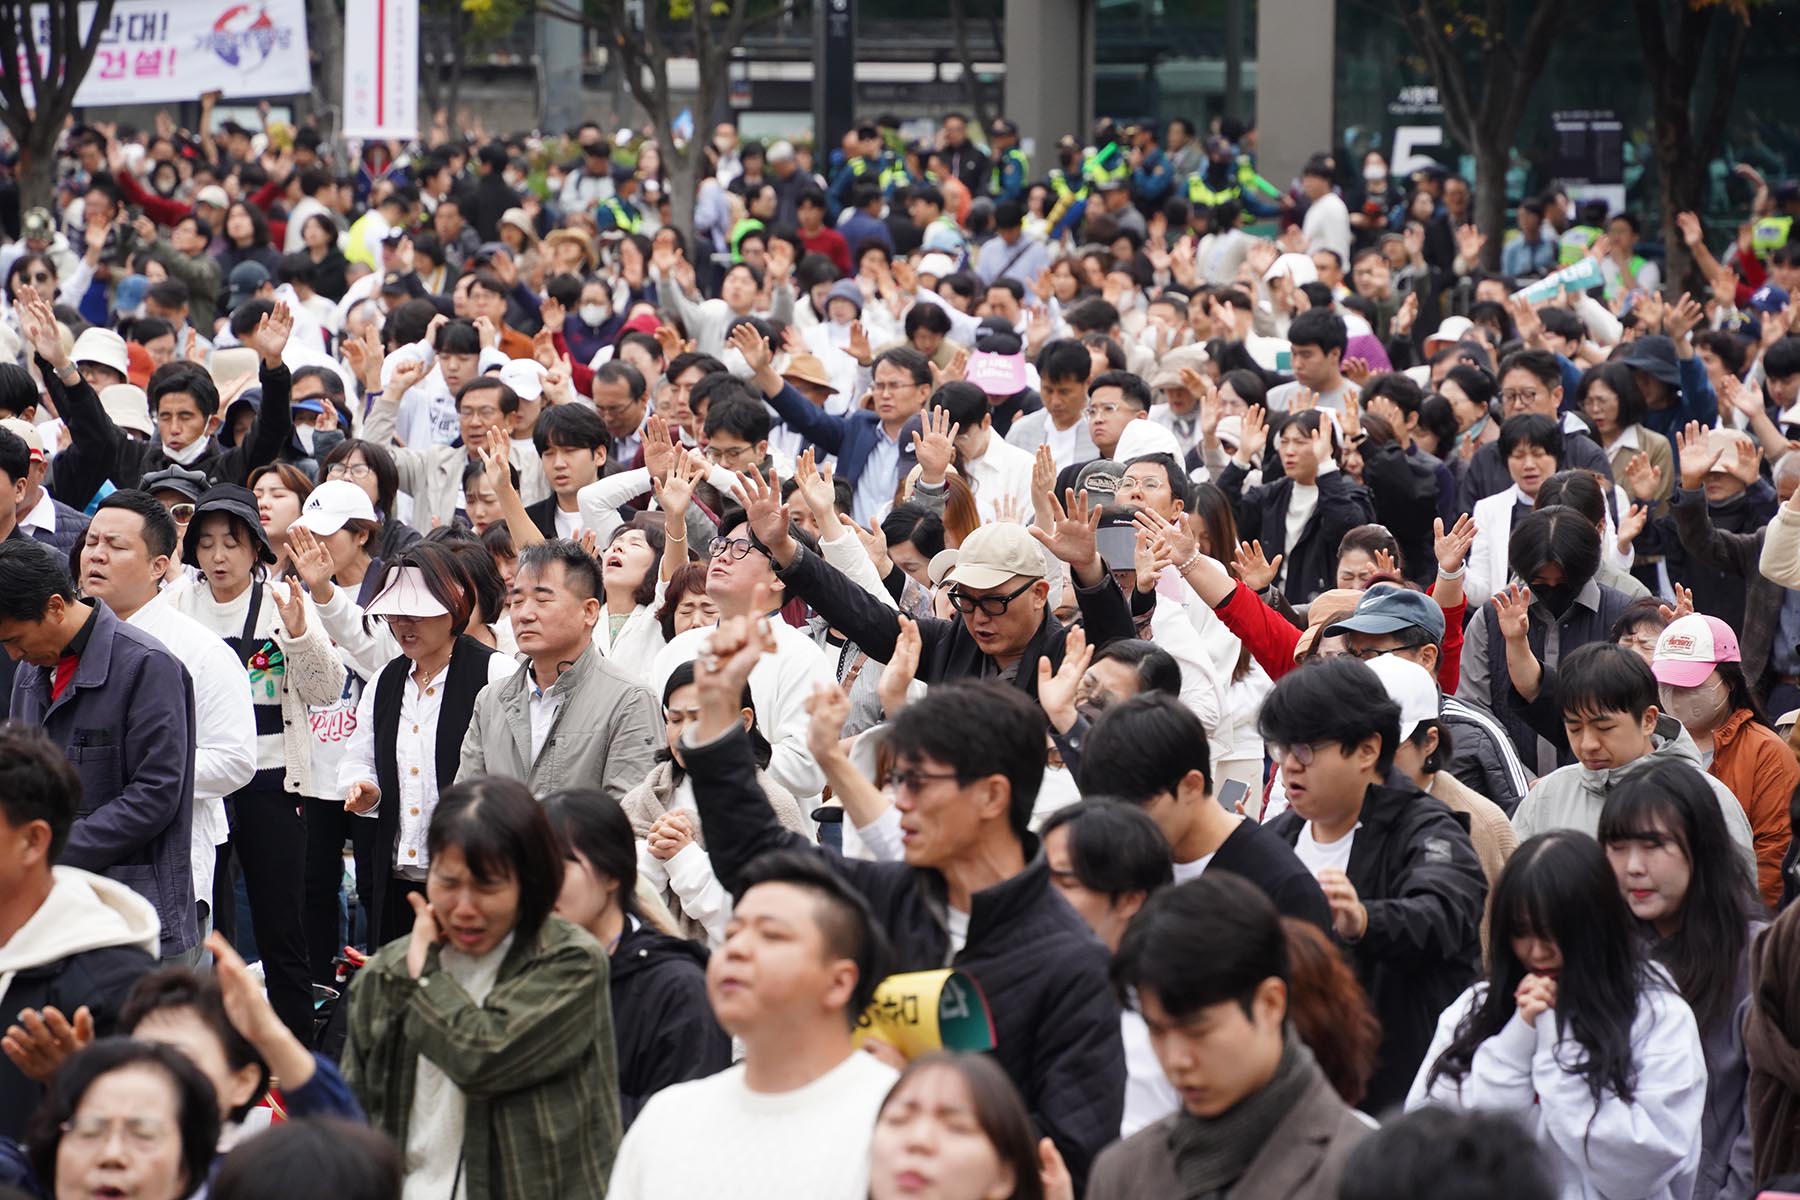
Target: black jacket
(661,1017)
(1260,857)
(1312,560)
(1415,871)
(1041,970)
(1404,489)
(947,652)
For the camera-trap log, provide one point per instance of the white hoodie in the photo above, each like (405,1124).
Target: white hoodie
(83,912)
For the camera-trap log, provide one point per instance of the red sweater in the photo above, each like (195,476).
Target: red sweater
(832,245)
(1271,638)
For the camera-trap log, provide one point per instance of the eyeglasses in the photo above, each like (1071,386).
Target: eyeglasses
(732,548)
(486,412)
(896,387)
(912,781)
(183,513)
(1520,397)
(727,454)
(349,471)
(1302,752)
(141,1133)
(1100,410)
(1144,483)
(993,606)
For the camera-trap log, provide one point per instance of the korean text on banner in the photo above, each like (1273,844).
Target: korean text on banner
(381,68)
(159,51)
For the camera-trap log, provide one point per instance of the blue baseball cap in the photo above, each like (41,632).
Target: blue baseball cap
(1769,299)
(1389,608)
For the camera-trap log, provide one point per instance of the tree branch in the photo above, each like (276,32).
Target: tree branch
(1426,29)
(1547,19)
(1711,130)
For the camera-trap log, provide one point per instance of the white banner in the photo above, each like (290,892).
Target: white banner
(381,69)
(159,51)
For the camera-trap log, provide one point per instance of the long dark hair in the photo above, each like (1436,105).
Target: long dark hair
(379,459)
(1559,886)
(681,677)
(1671,799)
(998,1109)
(591,822)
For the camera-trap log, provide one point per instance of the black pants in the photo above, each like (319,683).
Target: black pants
(268,837)
(328,825)
(397,917)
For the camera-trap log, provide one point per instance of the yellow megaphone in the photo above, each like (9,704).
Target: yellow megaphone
(920,1011)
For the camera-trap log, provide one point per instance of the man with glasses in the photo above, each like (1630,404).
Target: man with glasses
(739,570)
(432,475)
(998,588)
(1531,382)
(1398,870)
(623,402)
(875,449)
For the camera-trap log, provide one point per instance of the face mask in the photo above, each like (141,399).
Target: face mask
(187,455)
(1374,174)
(593,314)
(1702,708)
(305,434)
(1557,598)
(1472,432)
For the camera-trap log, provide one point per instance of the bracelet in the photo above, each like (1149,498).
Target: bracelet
(1187,566)
(1456,574)
(680,536)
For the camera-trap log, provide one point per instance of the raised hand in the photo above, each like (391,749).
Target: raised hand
(1402,324)
(290,602)
(675,491)
(1171,537)
(753,346)
(901,669)
(1469,241)
(1512,605)
(874,544)
(859,347)
(487,332)
(1043,482)
(38,323)
(365,357)
(1695,453)
(270,336)
(1641,477)
(1452,547)
(724,667)
(311,560)
(1249,565)
(1630,525)
(43,1040)
(827,709)
(1057,689)
(1071,532)
(1255,435)
(1304,400)
(934,444)
(768,516)
(407,374)
(815,485)
(1525,317)
(659,446)
(1149,557)
(1746,461)
(1684,605)
(1739,397)
(1689,224)
(1357,370)
(906,278)
(1682,317)
(1007,510)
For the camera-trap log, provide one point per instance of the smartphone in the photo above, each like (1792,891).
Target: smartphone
(1231,793)
(1117,544)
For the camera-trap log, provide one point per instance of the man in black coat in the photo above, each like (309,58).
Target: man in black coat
(71,943)
(1398,870)
(974,892)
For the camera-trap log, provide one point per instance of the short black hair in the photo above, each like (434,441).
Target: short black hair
(1489,1154)
(1211,940)
(186,377)
(575,426)
(977,730)
(159,526)
(1782,359)
(1092,315)
(1064,359)
(246,316)
(37,783)
(1605,677)
(645,341)
(580,571)
(741,417)
(197,1103)
(906,359)
(617,371)
(313,1156)
(928,317)
(15,456)
(1554,536)
(1157,670)
(1477,383)
(1531,429)
(1319,327)
(1179,484)
(1338,700)
(1131,387)
(501,831)
(175,988)
(1115,849)
(966,403)
(169,293)
(30,574)
(679,365)
(846,922)
(1400,390)
(1144,746)
(1539,363)
(457,336)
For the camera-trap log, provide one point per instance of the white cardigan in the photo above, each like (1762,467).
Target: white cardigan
(1648,1148)
(1489,569)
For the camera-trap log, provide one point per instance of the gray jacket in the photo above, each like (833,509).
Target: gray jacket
(604,735)
(1030,431)
(1571,797)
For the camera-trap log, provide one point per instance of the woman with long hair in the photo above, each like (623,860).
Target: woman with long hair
(410,721)
(482,1041)
(665,1025)
(319,237)
(953,1127)
(246,240)
(1696,907)
(1576,1030)
(671,846)
(1239,752)
(371,467)
(281,489)
(275,630)
(1700,677)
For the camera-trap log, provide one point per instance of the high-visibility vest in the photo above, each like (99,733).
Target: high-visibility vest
(624,217)
(1200,193)
(1770,234)
(1106,165)
(1011,170)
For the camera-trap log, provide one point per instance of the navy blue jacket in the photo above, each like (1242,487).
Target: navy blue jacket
(126,722)
(852,437)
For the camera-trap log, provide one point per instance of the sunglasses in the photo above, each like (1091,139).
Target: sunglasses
(183,513)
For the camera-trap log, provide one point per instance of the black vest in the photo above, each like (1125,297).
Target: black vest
(468,675)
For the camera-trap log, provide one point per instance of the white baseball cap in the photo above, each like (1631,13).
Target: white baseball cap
(103,346)
(936,265)
(1411,687)
(128,407)
(525,376)
(332,504)
(214,195)
(26,432)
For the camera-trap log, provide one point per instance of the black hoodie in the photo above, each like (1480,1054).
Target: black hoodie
(661,1016)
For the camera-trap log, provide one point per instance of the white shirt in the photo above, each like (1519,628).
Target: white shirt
(1185,871)
(434,1128)
(1319,856)
(956,924)
(42,515)
(224,722)
(716,1137)
(1002,470)
(1327,226)
(568,524)
(303,210)
(781,684)
(1062,442)
(415,756)
(1149,1096)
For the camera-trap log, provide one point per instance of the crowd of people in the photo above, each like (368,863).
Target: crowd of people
(953,677)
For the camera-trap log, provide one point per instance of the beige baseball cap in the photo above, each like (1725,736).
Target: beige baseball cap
(994,554)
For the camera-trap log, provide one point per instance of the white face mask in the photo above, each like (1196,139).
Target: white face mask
(305,434)
(593,314)
(187,455)
(1374,173)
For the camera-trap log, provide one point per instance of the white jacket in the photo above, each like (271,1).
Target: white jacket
(1648,1149)
(1489,568)
(82,912)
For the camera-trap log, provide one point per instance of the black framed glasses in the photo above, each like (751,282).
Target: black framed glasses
(912,781)
(732,548)
(993,606)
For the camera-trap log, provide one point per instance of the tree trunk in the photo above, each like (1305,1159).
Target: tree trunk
(326,20)
(684,179)
(37,175)
(1683,177)
(1490,196)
